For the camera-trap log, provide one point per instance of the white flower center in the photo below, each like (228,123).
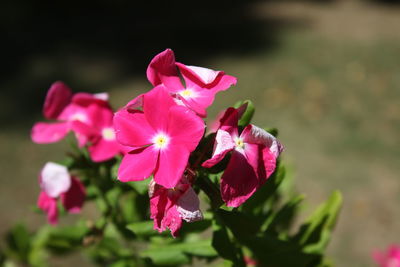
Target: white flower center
(239,142)
(78,117)
(161,141)
(187,93)
(108,134)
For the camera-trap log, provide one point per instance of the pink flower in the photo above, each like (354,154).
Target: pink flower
(89,116)
(168,207)
(200,87)
(56,183)
(390,258)
(253,159)
(161,138)
(100,132)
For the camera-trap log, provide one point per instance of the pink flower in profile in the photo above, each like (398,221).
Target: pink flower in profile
(201,84)
(160,138)
(390,258)
(253,159)
(89,116)
(168,207)
(56,183)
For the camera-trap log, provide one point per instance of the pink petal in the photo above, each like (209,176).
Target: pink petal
(74,198)
(188,206)
(229,122)
(184,127)
(132,129)
(135,104)
(138,164)
(239,181)
(269,159)
(57,98)
(193,105)
(255,135)
(157,103)
(55,179)
(104,150)
(171,165)
(44,133)
(162,70)
(223,144)
(48,205)
(172,220)
(100,116)
(86,99)
(206,78)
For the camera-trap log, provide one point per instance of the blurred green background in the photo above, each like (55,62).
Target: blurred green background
(325,73)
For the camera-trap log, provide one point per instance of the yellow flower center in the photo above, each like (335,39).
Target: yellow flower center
(108,134)
(186,93)
(161,141)
(239,142)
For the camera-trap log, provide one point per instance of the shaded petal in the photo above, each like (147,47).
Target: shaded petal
(138,164)
(104,150)
(74,198)
(86,99)
(239,181)
(223,144)
(157,103)
(44,133)
(255,135)
(188,206)
(162,70)
(57,98)
(184,127)
(171,166)
(48,205)
(229,122)
(55,179)
(132,129)
(269,159)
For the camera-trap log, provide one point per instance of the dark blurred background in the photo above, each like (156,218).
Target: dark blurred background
(326,73)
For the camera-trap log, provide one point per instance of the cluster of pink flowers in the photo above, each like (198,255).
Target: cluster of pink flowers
(390,258)
(159,130)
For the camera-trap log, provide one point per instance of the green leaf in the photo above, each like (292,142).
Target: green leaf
(63,239)
(223,243)
(140,186)
(315,233)
(19,240)
(246,117)
(145,228)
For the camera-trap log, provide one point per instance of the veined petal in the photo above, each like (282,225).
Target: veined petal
(157,103)
(138,164)
(74,198)
(223,144)
(162,70)
(188,206)
(239,181)
(255,135)
(184,127)
(44,133)
(132,129)
(171,165)
(57,98)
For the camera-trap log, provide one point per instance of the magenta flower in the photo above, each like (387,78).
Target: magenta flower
(161,138)
(390,258)
(56,183)
(253,159)
(168,207)
(200,87)
(89,116)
